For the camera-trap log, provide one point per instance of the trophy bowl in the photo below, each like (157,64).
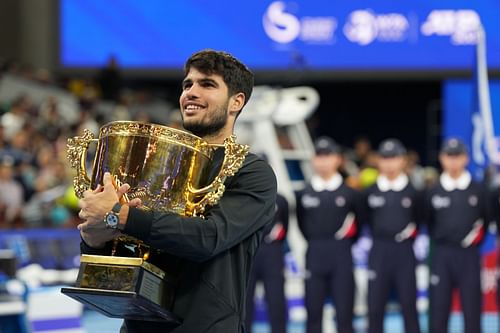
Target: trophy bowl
(160,164)
(168,170)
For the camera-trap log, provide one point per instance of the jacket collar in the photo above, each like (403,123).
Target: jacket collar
(398,184)
(319,184)
(450,184)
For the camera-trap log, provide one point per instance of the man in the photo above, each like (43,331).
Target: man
(456,212)
(325,214)
(269,268)
(213,255)
(392,216)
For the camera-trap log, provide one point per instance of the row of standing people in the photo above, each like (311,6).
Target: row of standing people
(330,214)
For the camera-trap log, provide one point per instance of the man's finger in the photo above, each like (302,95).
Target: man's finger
(98,189)
(83,226)
(108,183)
(136,202)
(82,204)
(123,189)
(88,193)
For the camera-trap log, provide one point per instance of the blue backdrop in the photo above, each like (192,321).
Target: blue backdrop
(269,35)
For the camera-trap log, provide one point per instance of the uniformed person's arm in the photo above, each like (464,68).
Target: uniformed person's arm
(427,216)
(495,207)
(419,208)
(246,206)
(362,210)
(485,214)
(283,211)
(300,212)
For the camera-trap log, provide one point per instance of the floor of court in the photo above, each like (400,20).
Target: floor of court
(95,322)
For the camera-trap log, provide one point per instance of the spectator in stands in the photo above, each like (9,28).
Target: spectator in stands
(50,122)
(110,80)
(362,148)
(415,171)
(51,173)
(17,116)
(20,147)
(11,195)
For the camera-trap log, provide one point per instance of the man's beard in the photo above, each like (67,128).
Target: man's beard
(217,122)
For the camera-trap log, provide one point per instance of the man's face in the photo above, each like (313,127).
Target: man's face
(391,166)
(326,164)
(453,164)
(204,103)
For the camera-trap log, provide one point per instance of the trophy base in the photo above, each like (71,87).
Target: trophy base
(124,287)
(121,304)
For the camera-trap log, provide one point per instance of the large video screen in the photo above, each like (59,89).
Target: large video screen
(436,35)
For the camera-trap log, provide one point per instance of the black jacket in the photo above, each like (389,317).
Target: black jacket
(451,214)
(213,256)
(321,214)
(388,213)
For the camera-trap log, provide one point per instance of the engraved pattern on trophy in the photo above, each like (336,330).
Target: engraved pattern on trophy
(234,156)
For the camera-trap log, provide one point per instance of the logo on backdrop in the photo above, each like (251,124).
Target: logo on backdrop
(364,27)
(283,27)
(460,25)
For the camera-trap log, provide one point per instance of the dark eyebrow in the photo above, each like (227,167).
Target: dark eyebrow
(209,80)
(202,81)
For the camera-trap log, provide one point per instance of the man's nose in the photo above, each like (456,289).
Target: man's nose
(192,91)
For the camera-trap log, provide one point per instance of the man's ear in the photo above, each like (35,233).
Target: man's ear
(236,102)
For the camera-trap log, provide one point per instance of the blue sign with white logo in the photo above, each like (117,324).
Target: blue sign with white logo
(461,118)
(280,35)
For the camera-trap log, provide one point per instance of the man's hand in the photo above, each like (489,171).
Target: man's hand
(94,205)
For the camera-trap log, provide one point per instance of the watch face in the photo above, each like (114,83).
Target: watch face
(112,220)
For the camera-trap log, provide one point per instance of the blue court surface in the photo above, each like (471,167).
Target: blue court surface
(95,322)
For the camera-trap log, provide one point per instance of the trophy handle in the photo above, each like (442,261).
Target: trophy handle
(234,155)
(77,153)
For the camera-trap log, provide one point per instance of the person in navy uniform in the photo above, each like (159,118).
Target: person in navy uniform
(269,265)
(392,216)
(456,212)
(326,211)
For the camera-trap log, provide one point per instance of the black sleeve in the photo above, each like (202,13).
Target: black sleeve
(419,207)
(362,210)
(493,207)
(300,212)
(427,216)
(487,208)
(246,206)
(283,211)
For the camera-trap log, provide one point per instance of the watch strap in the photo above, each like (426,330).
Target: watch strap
(116,208)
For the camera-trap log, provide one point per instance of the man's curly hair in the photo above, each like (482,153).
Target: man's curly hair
(235,74)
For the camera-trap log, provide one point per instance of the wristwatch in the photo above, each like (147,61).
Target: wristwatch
(112,218)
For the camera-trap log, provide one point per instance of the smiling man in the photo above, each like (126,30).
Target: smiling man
(211,257)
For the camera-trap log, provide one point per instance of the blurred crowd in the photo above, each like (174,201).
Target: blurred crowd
(359,166)
(35,176)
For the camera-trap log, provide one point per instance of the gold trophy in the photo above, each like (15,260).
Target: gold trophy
(168,170)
